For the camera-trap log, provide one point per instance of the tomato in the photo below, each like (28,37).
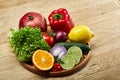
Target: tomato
(49,39)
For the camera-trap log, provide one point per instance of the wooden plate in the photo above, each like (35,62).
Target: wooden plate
(33,69)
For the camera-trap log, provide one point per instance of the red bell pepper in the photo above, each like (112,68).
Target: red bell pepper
(60,20)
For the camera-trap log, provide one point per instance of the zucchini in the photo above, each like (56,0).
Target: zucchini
(85,48)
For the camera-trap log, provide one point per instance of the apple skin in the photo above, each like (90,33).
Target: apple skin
(34,20)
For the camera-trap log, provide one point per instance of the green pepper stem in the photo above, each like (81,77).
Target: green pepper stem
(57,16)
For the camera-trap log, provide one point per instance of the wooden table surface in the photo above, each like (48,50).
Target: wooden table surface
(102,17)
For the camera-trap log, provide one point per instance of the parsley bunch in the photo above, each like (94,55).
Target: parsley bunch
(25,41)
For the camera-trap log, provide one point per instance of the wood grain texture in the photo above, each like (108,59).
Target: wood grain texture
(102,17)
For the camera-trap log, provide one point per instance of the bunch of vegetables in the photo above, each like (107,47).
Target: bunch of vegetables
(61,40)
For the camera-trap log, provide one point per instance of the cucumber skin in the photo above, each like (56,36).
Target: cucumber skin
(85,48)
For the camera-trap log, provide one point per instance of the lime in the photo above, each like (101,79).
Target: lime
(76,53)
(67,62)
(73,56)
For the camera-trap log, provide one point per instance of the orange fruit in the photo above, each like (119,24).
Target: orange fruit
(43,60)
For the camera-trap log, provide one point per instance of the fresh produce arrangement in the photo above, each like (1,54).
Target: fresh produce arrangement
(57,47)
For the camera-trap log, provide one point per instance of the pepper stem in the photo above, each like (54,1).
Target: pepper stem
(30,17)
(57,16)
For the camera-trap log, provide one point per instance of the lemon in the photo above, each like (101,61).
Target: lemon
(80,33)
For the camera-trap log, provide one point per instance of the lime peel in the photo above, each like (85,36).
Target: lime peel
(72,58)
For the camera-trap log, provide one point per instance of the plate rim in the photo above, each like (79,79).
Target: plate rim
(79,66)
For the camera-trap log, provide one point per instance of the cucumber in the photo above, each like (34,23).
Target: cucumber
(85,48)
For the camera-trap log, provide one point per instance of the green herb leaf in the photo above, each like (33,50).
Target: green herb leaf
(27,40)
(58,60)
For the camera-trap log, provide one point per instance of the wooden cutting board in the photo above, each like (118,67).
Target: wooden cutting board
(101,16)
